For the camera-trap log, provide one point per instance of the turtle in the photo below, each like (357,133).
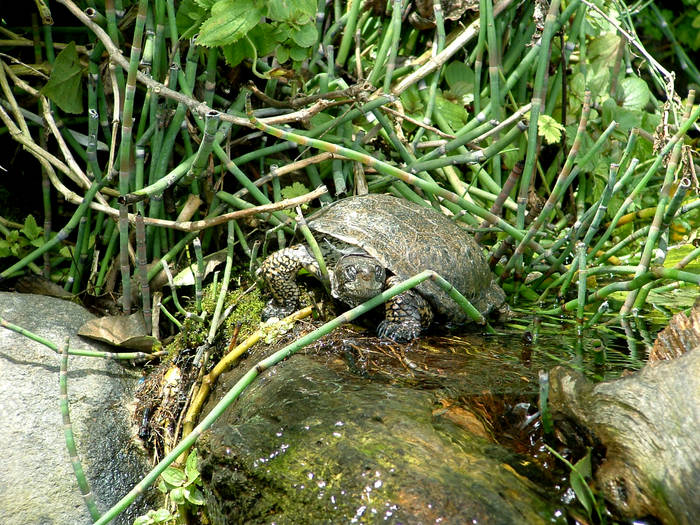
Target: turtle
(373,241)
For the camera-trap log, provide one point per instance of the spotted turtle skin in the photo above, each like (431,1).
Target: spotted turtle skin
(373,241)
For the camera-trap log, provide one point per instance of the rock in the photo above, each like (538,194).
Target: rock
(648,427)
(309,442)
(37,484)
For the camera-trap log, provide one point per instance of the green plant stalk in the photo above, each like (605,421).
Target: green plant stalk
(538,99)
(113,236)
(439,45)
(602,309)
(272,360)
(387,37)
(677,136)
(230,242)
(602,205)
(241,239)
(60,236)
(388,169)
(170,316)
(501,198)
(315,249)
(113,33)
(171,254)
(210,78)
(608,232)
(495,65)
(394,48)
(124,258)
(624,242)
(655,229)
(83,484)
(634,284)
(349,32)
(474,157)
(141,263)
(242,205)
(581,256)
(86,353)
(199,274)
(553,199)
(76,269)
(205,147)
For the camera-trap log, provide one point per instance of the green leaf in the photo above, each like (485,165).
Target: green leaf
(305,36)
(636,93)
(177,495)
(455,114)
(65,86)
(298,53)
(583,493)
(295,190)
(173,476)
(4,249)
(230,21)
(459,77)
(237,52)
(295,12)
(195,497)
(192,466)
(549,129)
(282,54)
(31,231)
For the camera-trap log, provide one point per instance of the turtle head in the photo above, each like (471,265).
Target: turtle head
(357,278)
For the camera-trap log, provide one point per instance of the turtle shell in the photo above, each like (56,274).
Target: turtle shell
(408,238)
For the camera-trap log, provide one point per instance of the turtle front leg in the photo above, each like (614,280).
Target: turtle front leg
(279,271)
(405,315)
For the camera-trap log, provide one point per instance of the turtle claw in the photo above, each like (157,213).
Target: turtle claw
(274,309)
(403,332)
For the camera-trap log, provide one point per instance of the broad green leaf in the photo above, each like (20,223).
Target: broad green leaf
(282,54)
(65,86)
(230,20)
(31,231)
(455,114)
(636,93)
(237,52)
(177,495)
(294,190)
(458,74)
(263,38)
(4,249)
(677,253)
(192,466)
(173,476)
(195,497)
(549,129)
(298,53)
(305,36)
(626,118)
(293,11)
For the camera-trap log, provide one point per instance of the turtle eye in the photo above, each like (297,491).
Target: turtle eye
(350,272)
(378,273)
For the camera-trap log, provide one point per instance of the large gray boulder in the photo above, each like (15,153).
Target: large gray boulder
(37,482)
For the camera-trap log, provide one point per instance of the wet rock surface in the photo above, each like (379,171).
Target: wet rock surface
(37,484)
(370,435)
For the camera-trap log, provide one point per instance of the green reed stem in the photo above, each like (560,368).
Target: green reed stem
(655,229)
(83,484)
